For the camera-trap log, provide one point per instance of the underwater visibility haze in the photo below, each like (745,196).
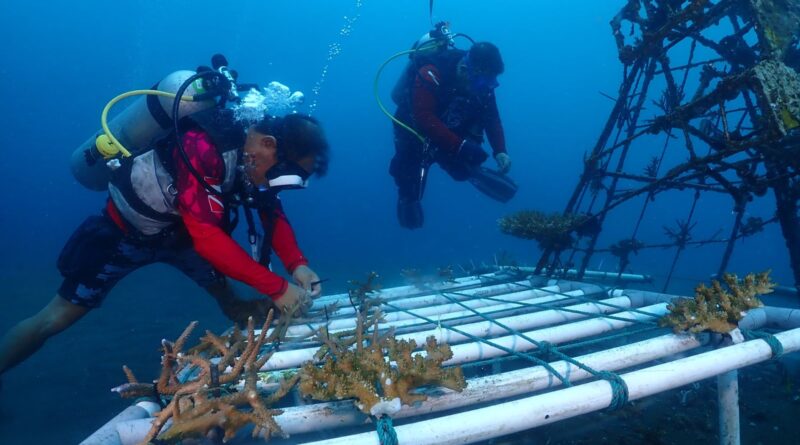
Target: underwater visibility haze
(65,60)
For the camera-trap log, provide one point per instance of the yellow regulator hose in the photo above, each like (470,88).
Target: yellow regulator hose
(107,144)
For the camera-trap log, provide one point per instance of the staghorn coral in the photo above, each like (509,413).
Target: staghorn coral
(355,367)
(360,292)
(552,231)
(716,309)
(203,393)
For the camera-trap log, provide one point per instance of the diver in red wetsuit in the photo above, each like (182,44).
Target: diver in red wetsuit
(173,204)
(446,97)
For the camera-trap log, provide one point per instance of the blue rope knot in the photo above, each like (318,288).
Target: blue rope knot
(619,389)
(547,348)
(386,433)
(774,344)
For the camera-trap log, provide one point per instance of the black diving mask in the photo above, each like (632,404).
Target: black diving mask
(286,175)
(480,82)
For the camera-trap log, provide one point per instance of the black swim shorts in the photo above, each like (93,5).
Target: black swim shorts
(99,254)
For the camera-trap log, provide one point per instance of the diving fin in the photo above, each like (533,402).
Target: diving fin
(409,213)
(493,184)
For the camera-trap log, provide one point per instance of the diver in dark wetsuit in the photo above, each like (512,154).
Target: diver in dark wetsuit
(447,98)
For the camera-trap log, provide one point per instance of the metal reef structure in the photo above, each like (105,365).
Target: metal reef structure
(711,94)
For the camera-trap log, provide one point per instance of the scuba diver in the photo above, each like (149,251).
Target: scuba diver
(173,202)
(445,103)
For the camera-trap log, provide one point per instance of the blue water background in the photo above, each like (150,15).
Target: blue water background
(62,61)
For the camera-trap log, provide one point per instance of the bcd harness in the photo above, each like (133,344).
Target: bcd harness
(143,189)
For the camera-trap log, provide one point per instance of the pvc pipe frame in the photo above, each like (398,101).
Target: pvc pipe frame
(411,290)
(481,424)
(295,420)
(556,334)
(110,433)
(436,298)
(330,415)
(440,306)
(445,312)
(343,410)
(481,350)
(442,312)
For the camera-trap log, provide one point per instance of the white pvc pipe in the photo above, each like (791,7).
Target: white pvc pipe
(431,299)
(107,434)
(505,418)
(594,274)
(133,432)
(728,398)
(408,290)
(782,318)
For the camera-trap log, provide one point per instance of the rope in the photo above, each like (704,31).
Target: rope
(619,389)
(774,344)
(386,433)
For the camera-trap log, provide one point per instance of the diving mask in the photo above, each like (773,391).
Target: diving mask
(286,175)
(480,82)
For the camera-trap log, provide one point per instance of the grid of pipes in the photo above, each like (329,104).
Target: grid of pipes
(709,104)
(581,319)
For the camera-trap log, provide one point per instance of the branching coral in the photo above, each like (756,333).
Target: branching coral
(202,392)
(552,231)
(716,309)
(355,367)
(360,292)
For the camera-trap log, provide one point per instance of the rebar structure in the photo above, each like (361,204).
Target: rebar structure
(738,131)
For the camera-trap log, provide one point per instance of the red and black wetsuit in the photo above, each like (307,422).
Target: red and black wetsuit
(104,249)
(204,216)
(446,114)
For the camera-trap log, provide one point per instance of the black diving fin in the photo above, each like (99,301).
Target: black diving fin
(493,184)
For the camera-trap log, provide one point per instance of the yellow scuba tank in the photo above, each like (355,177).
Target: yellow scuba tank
(146,120)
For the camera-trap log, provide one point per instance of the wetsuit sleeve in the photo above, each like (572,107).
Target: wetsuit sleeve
(284,242)
(494,127)
(203,215)
(424,104)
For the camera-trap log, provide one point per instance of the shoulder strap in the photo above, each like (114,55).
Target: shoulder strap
(225,132)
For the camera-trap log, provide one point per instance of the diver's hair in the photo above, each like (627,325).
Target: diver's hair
(298,136)
(485,57)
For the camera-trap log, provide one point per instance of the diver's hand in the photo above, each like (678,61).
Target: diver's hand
(471,153)
(308,280)
(294,301)
(503,162)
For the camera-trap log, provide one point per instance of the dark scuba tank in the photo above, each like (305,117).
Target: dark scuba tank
(146,120)
(424,51)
